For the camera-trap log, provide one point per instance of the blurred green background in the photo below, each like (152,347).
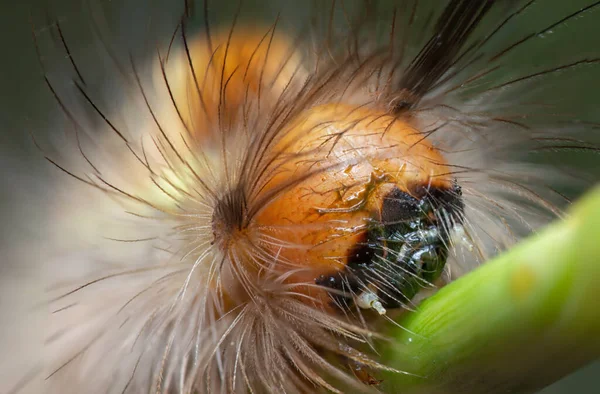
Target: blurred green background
(28,107)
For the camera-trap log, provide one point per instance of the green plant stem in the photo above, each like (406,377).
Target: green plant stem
(515,324)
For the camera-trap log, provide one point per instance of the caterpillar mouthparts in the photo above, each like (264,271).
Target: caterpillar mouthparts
(408,246)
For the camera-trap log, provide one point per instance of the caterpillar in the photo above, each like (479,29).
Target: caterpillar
(244,207)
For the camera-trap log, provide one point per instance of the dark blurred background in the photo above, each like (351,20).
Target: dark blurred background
(28,107)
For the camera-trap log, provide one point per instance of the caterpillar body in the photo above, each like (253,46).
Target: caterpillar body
(253,206)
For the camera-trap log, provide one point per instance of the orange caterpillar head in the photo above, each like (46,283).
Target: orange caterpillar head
(343,181)
(342,201)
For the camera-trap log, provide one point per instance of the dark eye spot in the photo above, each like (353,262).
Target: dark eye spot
(350,280)
(361,254)
(399,207)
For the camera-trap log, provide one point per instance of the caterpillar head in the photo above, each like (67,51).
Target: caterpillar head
(352,199)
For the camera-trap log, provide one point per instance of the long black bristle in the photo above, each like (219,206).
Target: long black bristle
(452,30)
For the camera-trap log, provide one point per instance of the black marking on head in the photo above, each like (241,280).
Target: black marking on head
(362,253)
(341,286)
(449,200)
(399,207)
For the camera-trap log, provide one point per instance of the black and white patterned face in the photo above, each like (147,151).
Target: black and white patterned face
(403,250)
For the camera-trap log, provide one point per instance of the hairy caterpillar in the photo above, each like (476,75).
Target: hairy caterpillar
(240,214)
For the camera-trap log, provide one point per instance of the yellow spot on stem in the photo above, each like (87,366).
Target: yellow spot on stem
(522,281)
